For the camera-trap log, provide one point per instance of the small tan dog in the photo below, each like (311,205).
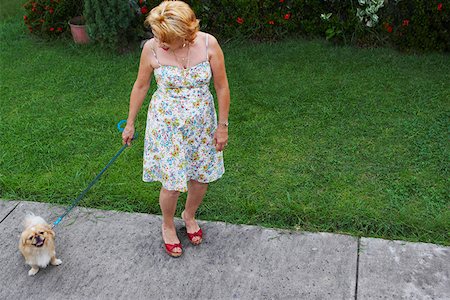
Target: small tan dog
(37,244)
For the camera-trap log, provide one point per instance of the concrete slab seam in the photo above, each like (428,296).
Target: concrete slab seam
(357,269)
(4,218)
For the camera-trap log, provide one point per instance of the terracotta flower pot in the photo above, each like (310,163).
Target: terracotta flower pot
(79,30)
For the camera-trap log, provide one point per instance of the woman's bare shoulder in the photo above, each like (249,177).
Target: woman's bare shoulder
(148,53)
(211,38)
(149,45)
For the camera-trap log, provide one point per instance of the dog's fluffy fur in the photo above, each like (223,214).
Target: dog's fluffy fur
(37,244)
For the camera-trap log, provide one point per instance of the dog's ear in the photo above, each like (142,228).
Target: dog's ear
(23,239)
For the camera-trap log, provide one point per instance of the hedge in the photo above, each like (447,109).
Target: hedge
(413,25)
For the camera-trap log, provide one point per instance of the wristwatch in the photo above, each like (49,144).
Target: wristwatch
(224,124)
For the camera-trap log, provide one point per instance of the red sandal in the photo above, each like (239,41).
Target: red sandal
(191,237)
(170,247)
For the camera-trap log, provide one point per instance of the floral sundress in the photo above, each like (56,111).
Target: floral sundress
(181,122)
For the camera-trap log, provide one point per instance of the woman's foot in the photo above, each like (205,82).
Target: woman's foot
(171,242)
(194,232)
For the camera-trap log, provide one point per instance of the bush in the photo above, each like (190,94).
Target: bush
(141,8)
(417,25)
(109,22)
(49,18)
(406,25)
(261,20)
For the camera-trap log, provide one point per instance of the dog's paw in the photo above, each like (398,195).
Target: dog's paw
(56,262)
(33,272)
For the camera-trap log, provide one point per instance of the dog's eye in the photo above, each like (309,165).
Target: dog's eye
(30,238)
(41,232)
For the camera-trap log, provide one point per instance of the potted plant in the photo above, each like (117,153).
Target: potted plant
(78,29)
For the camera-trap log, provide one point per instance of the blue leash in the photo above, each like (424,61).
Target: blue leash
(74,203)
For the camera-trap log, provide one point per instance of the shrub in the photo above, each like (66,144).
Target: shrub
(419,25)
(275,19)
(407,25)
(259,20)
(110,22)
(141,8)
(49,18)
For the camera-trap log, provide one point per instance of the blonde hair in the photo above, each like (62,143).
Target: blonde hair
(172,20)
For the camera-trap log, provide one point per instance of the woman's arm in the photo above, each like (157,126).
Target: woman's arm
(139,91)
(217,63)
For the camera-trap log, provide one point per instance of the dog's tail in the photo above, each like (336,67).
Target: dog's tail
(31,220)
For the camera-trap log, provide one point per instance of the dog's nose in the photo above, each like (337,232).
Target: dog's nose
(38,239)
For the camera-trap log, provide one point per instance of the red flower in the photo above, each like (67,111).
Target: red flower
(439,6)
(287,16)
(281,1)
(405,22)
(33,9)
(52,29)
(59,29)
(389,28)
(240,20)
(51,10)
(25,18)
(271,22)
(141,1)
(144,10)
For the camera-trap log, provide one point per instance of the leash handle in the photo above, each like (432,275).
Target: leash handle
(119,125)
(121,129)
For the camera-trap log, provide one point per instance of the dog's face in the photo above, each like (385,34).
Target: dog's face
(37,236)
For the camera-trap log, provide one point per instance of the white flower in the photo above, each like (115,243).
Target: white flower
(325,16)
(369,12)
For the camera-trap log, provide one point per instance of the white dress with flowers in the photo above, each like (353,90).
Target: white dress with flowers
(181,123)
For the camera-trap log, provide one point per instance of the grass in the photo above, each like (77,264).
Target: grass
(321,138)
(10,8)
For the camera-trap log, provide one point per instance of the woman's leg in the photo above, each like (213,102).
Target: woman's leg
(168,203)
(196,192)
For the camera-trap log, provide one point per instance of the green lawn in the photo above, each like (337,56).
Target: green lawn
(10,8)
(321,138)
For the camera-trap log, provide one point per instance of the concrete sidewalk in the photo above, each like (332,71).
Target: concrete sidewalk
(115,255)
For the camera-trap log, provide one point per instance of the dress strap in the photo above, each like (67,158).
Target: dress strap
(207,56)
(154,54)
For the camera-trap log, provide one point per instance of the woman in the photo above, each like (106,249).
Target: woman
(183,139)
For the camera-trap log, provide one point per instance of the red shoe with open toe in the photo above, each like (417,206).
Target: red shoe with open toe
(170,247)
(191,237)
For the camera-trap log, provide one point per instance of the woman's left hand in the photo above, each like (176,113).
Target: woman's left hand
(221,138)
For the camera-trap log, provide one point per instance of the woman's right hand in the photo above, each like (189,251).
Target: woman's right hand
(127,134)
